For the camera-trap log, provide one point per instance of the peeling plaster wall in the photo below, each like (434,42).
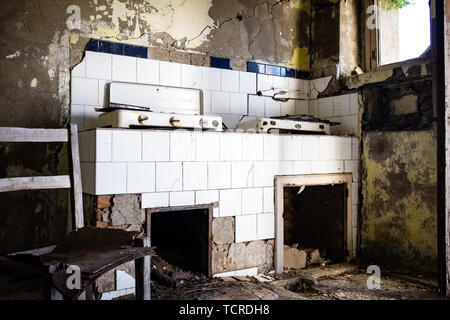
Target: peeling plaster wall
(37,51)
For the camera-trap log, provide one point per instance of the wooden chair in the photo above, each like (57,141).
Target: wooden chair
(94,251)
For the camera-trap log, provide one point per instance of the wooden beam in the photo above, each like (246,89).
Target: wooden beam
(32,135)
(143,271)
(76,193)
(34,183)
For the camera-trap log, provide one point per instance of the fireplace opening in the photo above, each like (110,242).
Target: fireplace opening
(315,218)
(182,238)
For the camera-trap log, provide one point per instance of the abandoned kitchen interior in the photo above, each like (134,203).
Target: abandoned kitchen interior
(208,150)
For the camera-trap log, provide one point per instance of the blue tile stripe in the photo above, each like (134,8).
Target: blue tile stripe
(222,63)
(117,48)
(277,70)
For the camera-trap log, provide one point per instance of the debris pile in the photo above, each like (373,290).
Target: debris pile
(300,258)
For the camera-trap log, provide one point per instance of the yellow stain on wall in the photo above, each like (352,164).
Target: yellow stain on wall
(304,5)
(300,60)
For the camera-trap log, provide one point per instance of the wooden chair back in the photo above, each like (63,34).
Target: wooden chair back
(71,181)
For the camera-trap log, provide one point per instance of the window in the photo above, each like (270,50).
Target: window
(399,35)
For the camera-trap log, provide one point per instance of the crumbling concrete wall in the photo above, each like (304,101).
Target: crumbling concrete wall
(399,176)
(399,200)
(40,41)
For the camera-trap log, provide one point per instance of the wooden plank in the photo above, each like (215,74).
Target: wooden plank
(76,194)
(143,271)
(34,183)
(8,134)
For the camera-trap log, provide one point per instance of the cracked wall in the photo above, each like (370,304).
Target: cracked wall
(37,51)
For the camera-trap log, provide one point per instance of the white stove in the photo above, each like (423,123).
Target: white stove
(290,123)
(142,105)
(132,118)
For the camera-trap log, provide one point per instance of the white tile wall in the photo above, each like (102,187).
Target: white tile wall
(98,65)
(247,82)
(124,68)
(266,226)
(170,74)
(211,79)
(230,202)
(147,71)
(206,196)
(195,175)
(252,200)
(242,174)
(140,177)
(126,145)
(220,102)
(169,176)
(230,80)
(219,175)
(191,76)
(182,146)
(246,228)
(155,200)
(184,198)
(155,146)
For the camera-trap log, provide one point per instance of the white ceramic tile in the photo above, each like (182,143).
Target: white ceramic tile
(238,103)
(246,228)
(148,71)
(219,175)
(225,274)
(110,178)
(124,280)
(191,76)
(292,147)
(98,65)
(103,93)
(103,145)
(77,115)
(182,146)
(195,175)
(230,80)
(90,117)
(341,105)
(354,104)
(319,167)
(207,146)
(272,108)
(80,69)
(206,106)
(281,87)
(242,174)
(313,107)
(264,174)
(124,68)
(88,177)
(206,196)
(230,202)
(155,200)
(247,82)
(140,177)
(84,91)
(230,120)
(353,167)
(301,107)
(155,146)
(326,107)
(250,272)
(256,106)
(230,147)
(318,85)
(252,200)
(344,148)
(266,226)
(170,74)
(328,148)
(335,166)
(220,102)
(264,84)
(252,147)
(296,88)
(211,78)
(311,150)
(268,199)
(184,198)
(84,146)
(273,147)
(301,167)
(169,176)
(282,168)
(126,145)
(350,125)
(288,107)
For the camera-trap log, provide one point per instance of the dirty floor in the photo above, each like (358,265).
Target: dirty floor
(333,282)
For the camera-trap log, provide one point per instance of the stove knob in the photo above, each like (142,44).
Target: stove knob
(142,118)
(173,121)
(203,123)
(298,126)
(215,123)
